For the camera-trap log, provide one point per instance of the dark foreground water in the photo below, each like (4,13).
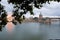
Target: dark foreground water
(30,31)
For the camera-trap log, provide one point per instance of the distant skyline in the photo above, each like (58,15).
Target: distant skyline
(52,9)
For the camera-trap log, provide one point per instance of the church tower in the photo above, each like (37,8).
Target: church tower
(40,16)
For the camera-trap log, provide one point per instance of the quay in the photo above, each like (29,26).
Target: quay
(41,19)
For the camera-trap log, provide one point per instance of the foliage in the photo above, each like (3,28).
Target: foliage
(26,5)
(3,15)
(35,18)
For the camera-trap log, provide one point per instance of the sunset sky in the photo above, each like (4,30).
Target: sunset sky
(9,17)
(52,9)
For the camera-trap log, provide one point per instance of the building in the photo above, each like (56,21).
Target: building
(39,19)
(40,16)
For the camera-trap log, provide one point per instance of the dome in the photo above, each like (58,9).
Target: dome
(40,14)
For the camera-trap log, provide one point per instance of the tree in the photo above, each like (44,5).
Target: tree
(26,5)
(3,15)
(36,19)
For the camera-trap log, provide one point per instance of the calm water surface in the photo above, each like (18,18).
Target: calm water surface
(30,31)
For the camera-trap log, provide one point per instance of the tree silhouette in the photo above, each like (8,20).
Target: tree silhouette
(36,19)
(26,5)
(3,15)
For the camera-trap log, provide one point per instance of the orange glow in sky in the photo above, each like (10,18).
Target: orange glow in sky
(9,17)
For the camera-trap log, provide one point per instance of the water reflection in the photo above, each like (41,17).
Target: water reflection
(9,27)
(31,31)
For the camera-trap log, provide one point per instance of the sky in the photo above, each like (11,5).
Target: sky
(52,9)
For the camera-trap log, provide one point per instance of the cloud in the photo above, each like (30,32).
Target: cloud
(52,9)
(7,7)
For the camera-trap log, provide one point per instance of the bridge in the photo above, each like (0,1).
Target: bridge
(52,19)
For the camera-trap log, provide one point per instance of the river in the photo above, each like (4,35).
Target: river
(30,31)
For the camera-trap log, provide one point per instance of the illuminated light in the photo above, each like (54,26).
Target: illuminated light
(9,17)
